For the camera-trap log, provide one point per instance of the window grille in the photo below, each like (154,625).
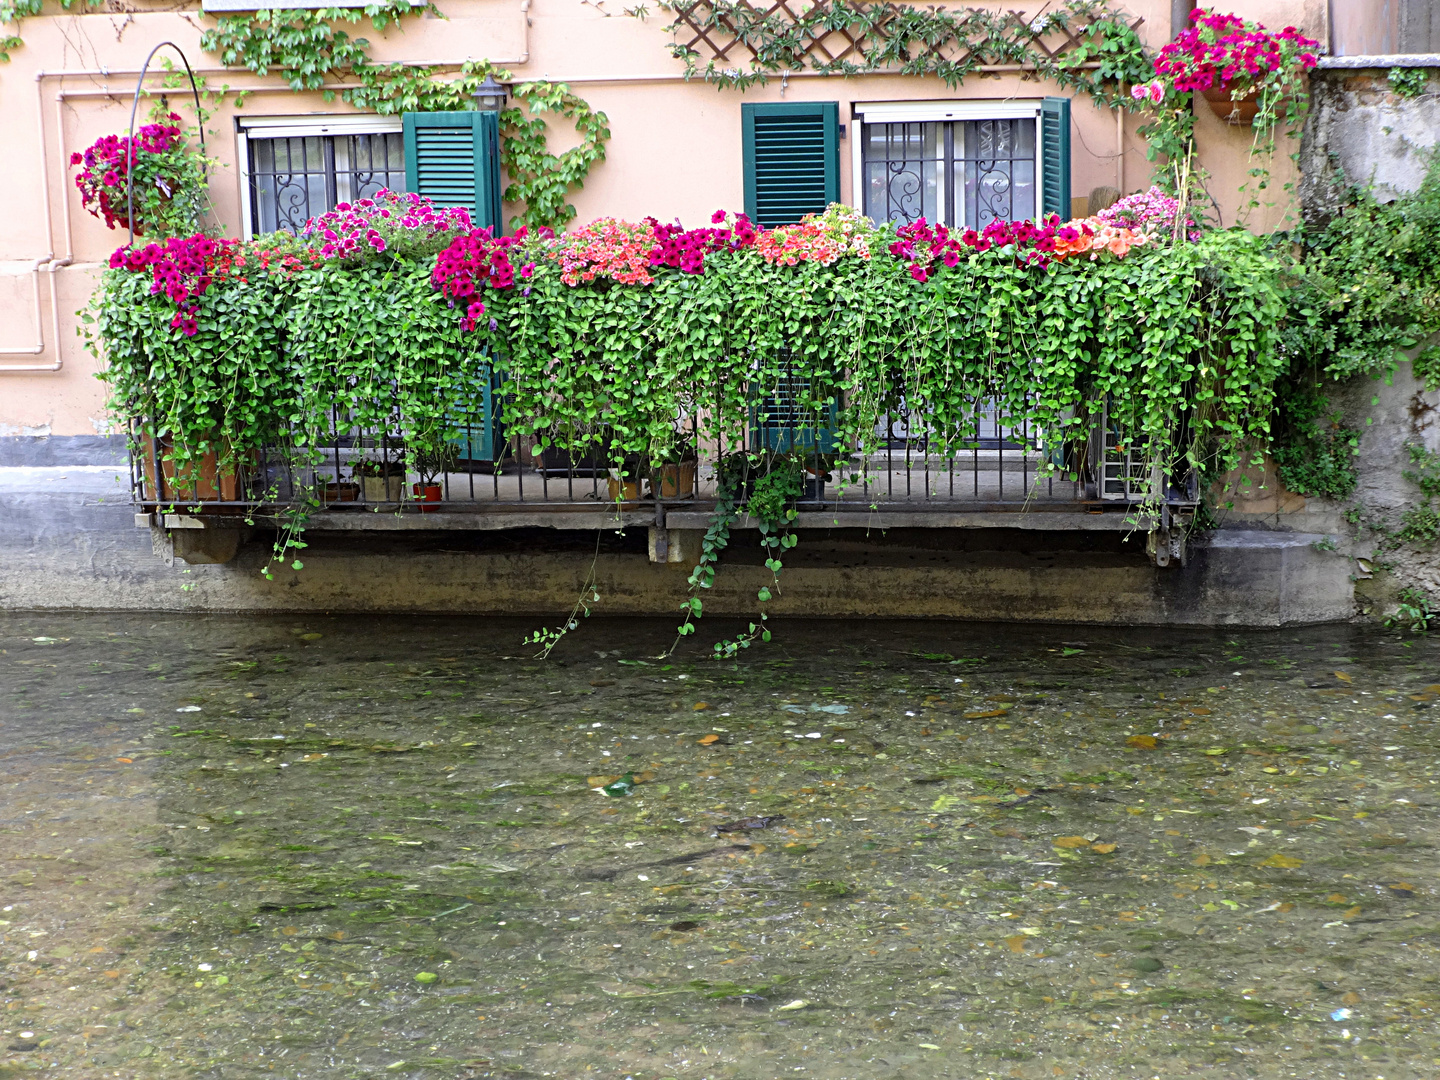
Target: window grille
(964,173)
(294,178)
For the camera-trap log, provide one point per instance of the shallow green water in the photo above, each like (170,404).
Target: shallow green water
(360,847)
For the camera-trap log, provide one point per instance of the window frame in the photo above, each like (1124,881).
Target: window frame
(895,112)
(296,127)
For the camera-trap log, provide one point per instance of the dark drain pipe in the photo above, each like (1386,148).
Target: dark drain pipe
(1180,16)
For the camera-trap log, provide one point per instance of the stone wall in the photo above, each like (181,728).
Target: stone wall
(1391,416)
(1373,136)
(1379,139)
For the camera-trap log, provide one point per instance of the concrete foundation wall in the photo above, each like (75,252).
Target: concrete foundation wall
(68,540)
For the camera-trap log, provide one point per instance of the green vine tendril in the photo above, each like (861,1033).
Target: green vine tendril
(309,51)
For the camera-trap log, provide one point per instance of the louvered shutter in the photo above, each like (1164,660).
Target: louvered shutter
(791,159)
(1055,157)
(453,159)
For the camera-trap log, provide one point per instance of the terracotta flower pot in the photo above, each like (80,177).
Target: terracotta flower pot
(1240,113)
(674,481)
(341,492)
(197,482)
(428,495)
(625,492)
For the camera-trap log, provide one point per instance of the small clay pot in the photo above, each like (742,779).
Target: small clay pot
(341,492)
(674,481)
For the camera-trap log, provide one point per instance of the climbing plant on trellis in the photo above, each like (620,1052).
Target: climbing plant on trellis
(1087,44)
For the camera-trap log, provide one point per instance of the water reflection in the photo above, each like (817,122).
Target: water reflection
(349,847)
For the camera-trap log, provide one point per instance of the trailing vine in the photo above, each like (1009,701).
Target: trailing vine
(951,44)
(12,11)
(309,50)
(766,485)
(620,340)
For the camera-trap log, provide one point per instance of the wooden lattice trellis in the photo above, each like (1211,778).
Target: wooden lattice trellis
(856,35)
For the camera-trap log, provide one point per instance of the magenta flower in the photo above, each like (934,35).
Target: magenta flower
(391,221)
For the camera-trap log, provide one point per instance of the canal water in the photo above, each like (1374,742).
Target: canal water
(363,847)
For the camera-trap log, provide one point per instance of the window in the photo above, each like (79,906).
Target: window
(968,172)
(962,164)
(298,169)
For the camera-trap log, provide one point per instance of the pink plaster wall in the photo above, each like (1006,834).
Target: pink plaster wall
(675,150)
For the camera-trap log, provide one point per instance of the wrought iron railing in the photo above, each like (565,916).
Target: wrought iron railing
(1004,466)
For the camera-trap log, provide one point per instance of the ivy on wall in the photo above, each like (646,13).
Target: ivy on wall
(12,11)
(309,50)
(539,179)
(853,37)
(1364,295)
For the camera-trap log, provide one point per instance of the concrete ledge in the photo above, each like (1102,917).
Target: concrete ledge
(50,450)
(1381,60)
(1046,520)
(68,540)
(602,517)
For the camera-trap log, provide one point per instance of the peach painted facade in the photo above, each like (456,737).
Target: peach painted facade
(675,150)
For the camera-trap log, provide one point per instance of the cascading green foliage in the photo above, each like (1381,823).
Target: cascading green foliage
(281,355)
(1164,332)
(287,359)
(286,350)
(1160,333)
(1363,294)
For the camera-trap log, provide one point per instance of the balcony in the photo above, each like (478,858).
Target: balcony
(1006,476)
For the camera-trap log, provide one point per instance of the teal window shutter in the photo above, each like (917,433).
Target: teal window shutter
(476,431)
(453,159)
(791,159)
(1055,157)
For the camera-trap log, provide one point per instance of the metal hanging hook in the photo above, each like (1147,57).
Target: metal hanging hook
(130,142)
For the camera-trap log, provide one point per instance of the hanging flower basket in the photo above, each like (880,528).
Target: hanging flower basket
(163,176)
(1219,54)
(1239,112)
